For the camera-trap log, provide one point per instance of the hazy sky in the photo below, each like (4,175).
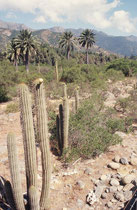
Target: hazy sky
(116,17)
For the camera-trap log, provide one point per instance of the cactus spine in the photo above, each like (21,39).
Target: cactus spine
(76,99)
(28,136)
(33,195)
(42,126)
(15,173)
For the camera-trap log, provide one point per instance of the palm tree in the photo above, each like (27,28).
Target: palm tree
(67,42)
(13,52)
(87,39)
(27,44)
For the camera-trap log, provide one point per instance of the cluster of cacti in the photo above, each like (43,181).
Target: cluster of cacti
(34,201)
(63,122)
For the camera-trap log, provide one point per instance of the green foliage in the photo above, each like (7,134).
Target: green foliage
(127,66)
(12,108)
(114,75)
(92,129)
(67,42)
(3,94)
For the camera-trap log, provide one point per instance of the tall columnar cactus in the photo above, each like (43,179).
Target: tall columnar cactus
(42,127)
(62,122)
(65,122)
(28,136)
(76,99)
(59,125)
(65,118)
(33,195)
(57,72)
(15,173)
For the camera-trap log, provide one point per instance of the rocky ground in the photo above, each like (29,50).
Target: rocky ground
(106,182)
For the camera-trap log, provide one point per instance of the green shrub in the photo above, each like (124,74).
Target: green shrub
(3,94)
(91,132)
(114,75)
(114,125)
(12,108)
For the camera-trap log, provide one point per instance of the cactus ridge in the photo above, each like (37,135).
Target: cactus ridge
(33,195)
(14,170)
(42,126)
(28,136)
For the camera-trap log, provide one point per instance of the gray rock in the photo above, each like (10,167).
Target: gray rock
(113,200)
(133,161)
(99,190)
(114,165)
(119,196)
(103,178)
(127,195)
(107,190)
(104,195)
(109,204)
(114,182)
(116,159)
(128,179)
(80,184)
(91,198)
(113,189)
(119,188)
(124,161)
(128,187)
(88,171)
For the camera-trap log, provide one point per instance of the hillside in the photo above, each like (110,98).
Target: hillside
(122,45)
(12,26)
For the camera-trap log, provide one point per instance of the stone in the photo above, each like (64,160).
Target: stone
(123,161)
(107,190)
(91,198)
(133,161)
(127,195)
(80,184)
(113,189)
(104,195)
(119,196)
(128,187)
(109,204)
(88,171)
(113,200)
(119,188)
(114,165)
(128,179)
(114,182)
(116,159)
(103,178)
(99,190)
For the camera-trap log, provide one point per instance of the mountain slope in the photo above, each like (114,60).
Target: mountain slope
(125,46)
(12,26)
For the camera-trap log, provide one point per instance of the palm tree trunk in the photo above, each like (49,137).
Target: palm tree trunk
(87,59)
(16,64)
(27,61)
(68,54)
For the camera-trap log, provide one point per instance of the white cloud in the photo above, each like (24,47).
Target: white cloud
(94,12)
(40,19)
(122,21)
